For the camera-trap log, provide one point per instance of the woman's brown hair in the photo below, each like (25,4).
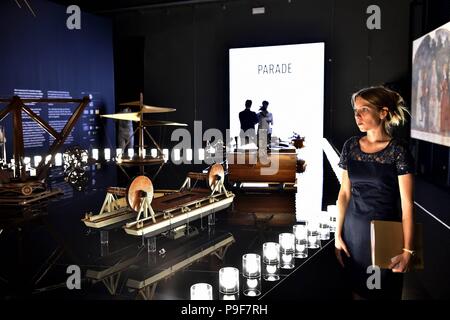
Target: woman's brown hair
(380,97)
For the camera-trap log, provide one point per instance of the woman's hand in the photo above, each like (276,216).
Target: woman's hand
(401,262)
(339,246)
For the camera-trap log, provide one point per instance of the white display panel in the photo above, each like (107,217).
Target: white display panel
(289,77)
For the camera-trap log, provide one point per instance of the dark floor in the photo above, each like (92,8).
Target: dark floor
(432,210)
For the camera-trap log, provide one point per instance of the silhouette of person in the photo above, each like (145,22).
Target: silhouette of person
(265,122)
(248,120)
(125,134)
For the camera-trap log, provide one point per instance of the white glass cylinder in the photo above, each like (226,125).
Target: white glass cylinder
(201,154)
(324,226)
(251,265)
(301,240)
(201,291)
(229,280)
(287,249)
(271,259)
(58,159)
(95,154)
(188,154)
(130,153)
(37,160)
(166,155)
(332,214)
(118,153)
(313,234)
(107,153)
(271,252)
(176,154)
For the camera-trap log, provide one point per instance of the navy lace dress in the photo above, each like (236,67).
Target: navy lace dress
(375,195)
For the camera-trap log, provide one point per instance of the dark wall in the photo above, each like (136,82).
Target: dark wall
(186,51)
(186,54)
(129,68)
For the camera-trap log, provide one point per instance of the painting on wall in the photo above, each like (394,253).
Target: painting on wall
(430,98)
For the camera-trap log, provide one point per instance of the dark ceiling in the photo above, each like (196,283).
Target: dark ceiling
(123,5)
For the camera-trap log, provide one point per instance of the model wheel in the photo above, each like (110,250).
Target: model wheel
(26,190)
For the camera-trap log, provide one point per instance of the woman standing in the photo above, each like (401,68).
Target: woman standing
(377,184)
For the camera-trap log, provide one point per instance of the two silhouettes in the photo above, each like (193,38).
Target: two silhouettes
(249,118)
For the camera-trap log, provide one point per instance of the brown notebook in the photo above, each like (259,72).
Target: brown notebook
(387,242)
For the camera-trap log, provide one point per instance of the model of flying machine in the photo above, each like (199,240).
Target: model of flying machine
(142,159)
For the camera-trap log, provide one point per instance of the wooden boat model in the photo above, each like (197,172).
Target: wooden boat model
(153,212)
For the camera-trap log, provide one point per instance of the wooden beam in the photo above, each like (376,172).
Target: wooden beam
(18,147)
(43,167)
(41,122)
(5,111)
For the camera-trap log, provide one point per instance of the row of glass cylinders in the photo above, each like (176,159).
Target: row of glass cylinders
(276,256)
